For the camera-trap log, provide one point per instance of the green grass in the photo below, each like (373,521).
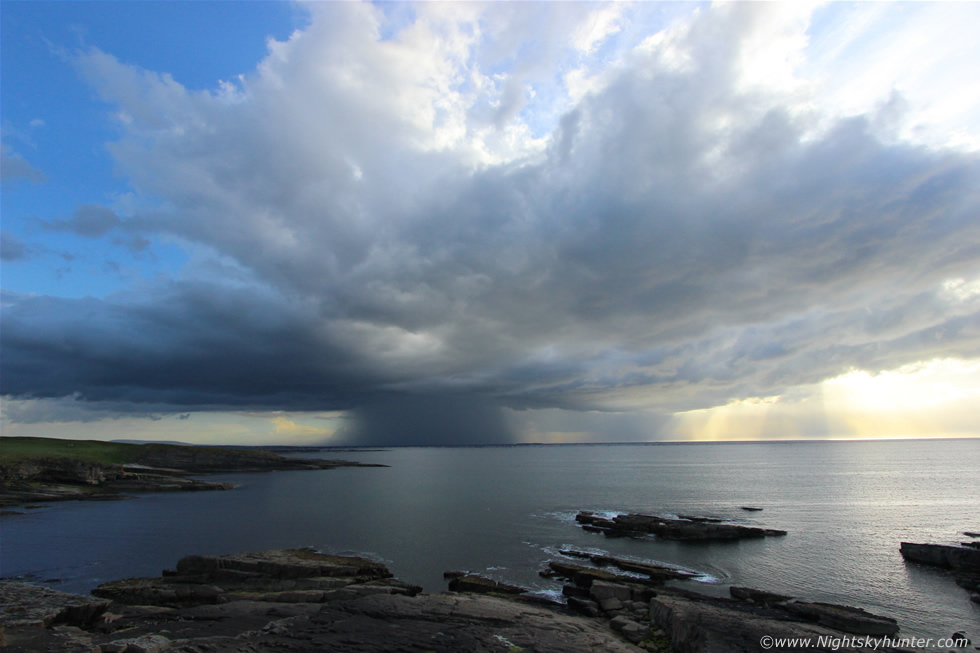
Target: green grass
(15,449)
(19,449)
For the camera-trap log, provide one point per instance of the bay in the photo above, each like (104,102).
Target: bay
(505,511)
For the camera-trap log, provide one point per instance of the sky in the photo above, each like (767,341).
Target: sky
(352,223)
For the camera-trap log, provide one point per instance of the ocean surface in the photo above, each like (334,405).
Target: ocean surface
(505,511)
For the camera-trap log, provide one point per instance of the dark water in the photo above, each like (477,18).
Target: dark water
(503,511)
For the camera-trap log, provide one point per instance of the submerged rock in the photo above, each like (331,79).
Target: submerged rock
(686,528)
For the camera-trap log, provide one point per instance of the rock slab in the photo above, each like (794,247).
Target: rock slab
(686,528)
(23,604)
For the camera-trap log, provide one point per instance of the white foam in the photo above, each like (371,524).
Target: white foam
(554,595)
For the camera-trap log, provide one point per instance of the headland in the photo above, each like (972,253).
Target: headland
(34,470)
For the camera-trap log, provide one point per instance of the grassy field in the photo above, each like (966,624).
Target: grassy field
(14,450)
(17,449)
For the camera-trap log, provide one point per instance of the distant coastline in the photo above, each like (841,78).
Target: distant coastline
(34,470)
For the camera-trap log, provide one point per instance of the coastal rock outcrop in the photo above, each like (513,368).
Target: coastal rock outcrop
(302,601)
(685,528)
(657,573)
(716,625)
(23,604)
(281,576)
(476,584)
(252,602)
(942,555)
(964,561)
(842,617)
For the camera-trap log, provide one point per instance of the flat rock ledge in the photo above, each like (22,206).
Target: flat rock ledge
(685,528)
(23,604)
(963,560)
(299,600)
(698,624)
(302,601)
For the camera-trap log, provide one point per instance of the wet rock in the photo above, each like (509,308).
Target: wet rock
(585,576)
(23,604)
(581,576)
(687,528)
(941,555)
(844,618)
(656,572)
(480,585)
(756,596)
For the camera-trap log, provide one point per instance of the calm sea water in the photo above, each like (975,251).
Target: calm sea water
(504,512)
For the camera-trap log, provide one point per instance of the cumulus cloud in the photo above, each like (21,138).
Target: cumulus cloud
(685,234)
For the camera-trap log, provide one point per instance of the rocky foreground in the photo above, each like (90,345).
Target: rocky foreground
(35,470)
(300,600)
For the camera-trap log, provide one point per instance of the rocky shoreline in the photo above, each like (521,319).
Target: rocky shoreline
(301,600)
(29,479)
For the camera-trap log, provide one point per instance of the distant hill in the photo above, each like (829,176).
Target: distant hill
(184,444)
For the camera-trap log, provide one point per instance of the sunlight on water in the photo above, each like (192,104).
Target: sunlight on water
(507,511)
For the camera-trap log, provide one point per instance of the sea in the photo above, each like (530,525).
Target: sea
(504,512)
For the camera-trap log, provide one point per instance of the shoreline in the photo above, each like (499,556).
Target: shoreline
(42,470)
(305,601)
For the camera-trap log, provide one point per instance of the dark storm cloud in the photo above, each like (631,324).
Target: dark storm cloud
(683,241)
(190,345)
(426,419)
